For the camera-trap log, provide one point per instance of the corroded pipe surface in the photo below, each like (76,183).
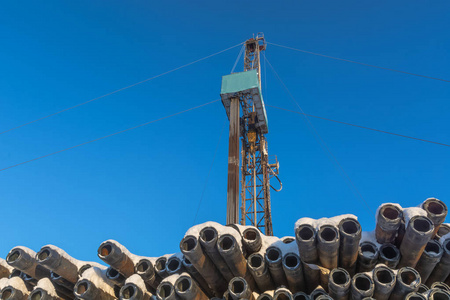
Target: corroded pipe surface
(339,284)
(419,231)
(408,280)
(186,288)
(282,294)
(328,246)
(384,280)
(117,256)
(367,257)
(362,286)
(436,211)
(239,288)
(389,219)
(14,289)
(293,269)
(208,239)
(389,255)
(24,259)
(58,261)
(442,269)
(274,260)
(350,236)
(305,236)
(429,259)
(260,272)
(134,289)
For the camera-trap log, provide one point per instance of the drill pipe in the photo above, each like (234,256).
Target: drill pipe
(145,268)
(274,260)
(440,285)
(408,280)
(94,285)
(438,294)
(422,288)
(251,237)
(117,256)
(84,265)
(362,286)
(389,255)
(239,288)
(313,276)
(443,230)
(328,246)
(400,234)
(367,257)
(384,279)
(174,264)
(115,276)
(415,296)
(350,236)
(305,236)
(339,284)
(166,289)
(5,269)
(318,291)
(24,259)
(193,251)
(208,239)
(260,272)
(187,289)
(293,270)
(429,259)
(161,266)
(14,289)
(436,211)
(60,281)
(442,269)
(197,277)
(134,289)
(267,295)
(389,219)
(300,296)
(58,261)
(282,293)
(47,290)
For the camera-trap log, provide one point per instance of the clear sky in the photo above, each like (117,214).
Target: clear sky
(143,187)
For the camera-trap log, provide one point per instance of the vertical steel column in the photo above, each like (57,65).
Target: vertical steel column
(233,164)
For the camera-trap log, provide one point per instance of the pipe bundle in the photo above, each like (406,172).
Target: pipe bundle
(407,256)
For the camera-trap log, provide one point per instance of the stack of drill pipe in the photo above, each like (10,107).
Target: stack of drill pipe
(24,259)
(198,277)
(187,289)
(145,267)
(436,212)
(134,289)
(118,257)
(430,258)
(238,288)
(5,268)
(339,284)
(384,279)
(48,290)
(94,284)
(350,236)
(442,269)
(14,289)
(408,280)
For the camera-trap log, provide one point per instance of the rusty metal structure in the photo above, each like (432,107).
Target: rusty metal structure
(242,98)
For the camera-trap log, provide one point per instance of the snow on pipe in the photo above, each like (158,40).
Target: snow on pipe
(299,296)
(208,239)
(115,276)
(442,230)
(117,256)
(186,288)
(197,277)
(24,259)
(362,286)
(94,285)
(252,239)
(389,255)
(274,260)
(260,272)
(231,251)
(282,293)
(14,289)
(367,256)
(418,232)
(134,289)
(305,236)
(436,211)
(384,279)
(328,246)
(5,268)
(292,266)
(415,296)
(192,250)
(408,280)
(47,290)
(339,284)
(442,269)
(318,291)
(350,236)
(238,288)
(429,259)
(58,261)
(389,218)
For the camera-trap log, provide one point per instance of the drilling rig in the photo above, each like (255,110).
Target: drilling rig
(247,150)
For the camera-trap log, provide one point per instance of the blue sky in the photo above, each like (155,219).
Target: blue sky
(143,187)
